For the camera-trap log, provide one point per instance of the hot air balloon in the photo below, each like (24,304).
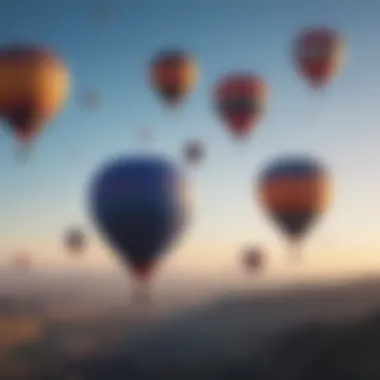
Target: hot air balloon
(91,99)
(318,55)
(21,261)
(75,240)
(173,74)
(34,84)
(241,101)
(253,259)
(140,204)
(295,191)
(145,135)
(102,14)
(194,152)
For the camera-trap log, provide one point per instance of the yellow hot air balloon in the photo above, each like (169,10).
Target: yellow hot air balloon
(34,84)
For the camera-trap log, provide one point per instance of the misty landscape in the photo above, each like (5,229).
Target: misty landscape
(292,332)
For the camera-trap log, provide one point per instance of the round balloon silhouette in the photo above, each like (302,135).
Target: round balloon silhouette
(295,191)
(140,205)
(34,87)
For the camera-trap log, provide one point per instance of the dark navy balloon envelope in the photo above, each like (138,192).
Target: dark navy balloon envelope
(138,204)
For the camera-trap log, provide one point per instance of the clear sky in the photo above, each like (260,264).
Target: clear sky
(39,200)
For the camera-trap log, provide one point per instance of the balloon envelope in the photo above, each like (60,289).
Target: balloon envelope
(34,86)
(103,13)
(91,99)
(173,74)
(253,259)
(75,240)
(145,134)
(241,100)
(295,191)
(194,152)
(140,206)
(21,261)
(318,53)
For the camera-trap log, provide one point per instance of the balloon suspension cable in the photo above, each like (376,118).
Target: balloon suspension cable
(141,293)
(146,141)
(239,144)
(240,138)
(172,110)
(314,108)
(24,152)
(295,251)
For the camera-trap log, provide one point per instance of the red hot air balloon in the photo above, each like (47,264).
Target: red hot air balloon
(241,100)
(318,54)
(253,259)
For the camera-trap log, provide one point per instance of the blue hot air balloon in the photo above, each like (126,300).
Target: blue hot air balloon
(139,205)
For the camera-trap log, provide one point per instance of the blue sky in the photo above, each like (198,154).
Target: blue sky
(41,199)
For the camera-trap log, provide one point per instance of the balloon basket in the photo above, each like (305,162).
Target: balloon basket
(141,294)
(23,153)
(295,253)
(141,297)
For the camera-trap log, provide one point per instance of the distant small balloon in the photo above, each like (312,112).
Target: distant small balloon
(194,152)
(21,261)
(173,74)
(318,53)
(103,14)
(145,134)
(253,259)
(75,240)
(91,99)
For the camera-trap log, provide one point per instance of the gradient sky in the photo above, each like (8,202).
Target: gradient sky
(39,200)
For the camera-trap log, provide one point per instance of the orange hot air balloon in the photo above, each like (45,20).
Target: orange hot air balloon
(173,74)
(34,84)
(295,191)
(318,54)
(241,100)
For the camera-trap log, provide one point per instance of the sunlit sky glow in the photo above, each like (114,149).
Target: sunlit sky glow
(39,200)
